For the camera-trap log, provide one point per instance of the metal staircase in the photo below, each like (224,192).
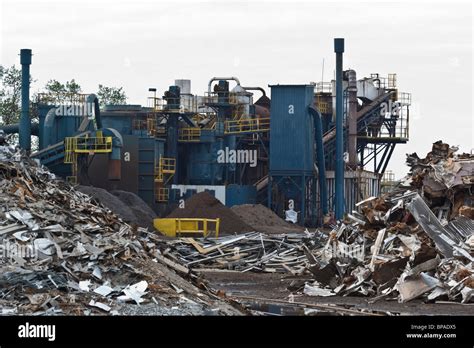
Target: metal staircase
(373,127)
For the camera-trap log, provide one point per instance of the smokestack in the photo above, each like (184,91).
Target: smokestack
(339,199)
(352,118)
(25,121)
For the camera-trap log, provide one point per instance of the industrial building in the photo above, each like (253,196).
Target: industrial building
(316,148)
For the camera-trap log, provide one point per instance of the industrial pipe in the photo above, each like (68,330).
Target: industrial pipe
(352,117)
(323,189)
(92,98)
(15,128)
(25,121)
(256,89)
(221,78)
(114,168)
(339,165)
(48,128)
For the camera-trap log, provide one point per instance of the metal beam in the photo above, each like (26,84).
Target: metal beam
(388,159)
(323,188)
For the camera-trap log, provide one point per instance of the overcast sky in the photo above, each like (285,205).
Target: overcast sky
(142,44)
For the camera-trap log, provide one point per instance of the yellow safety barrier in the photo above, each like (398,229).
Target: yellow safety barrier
(173,227)
(163,194)
(323,107)
(248,125)
(191,134)
(168,165)
(90,145)
(77,145)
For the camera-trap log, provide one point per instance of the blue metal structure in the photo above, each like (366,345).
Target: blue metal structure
(339,160)
(298,137)
(323,190)
(292,144)
(240,194)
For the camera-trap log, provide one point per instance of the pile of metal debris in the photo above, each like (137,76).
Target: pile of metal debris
(409,243)
(63,253)
(245,252)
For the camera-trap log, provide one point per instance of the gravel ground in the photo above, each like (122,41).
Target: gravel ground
(273,287)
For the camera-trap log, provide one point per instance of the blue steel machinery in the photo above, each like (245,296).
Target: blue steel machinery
(312,143)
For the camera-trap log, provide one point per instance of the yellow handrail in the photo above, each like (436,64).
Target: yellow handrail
(249,125)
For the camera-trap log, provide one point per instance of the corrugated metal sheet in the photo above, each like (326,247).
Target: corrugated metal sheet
(461,228)
(291,129)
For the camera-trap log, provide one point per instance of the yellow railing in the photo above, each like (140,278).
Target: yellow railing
(80,145)
(162,194)
(168,165)
(191,134)
(88,144)
(223,97)
(249,125)
(69,154)
(173,227)
(153,129)
(184,104)
(165,166)
(323,107)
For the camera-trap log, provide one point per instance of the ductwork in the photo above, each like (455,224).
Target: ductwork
(15,128)
(221,78)
(256,89)
(323,188)
(92,98)
(48,126)
(115,157)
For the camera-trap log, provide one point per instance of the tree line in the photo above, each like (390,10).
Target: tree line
(54,92)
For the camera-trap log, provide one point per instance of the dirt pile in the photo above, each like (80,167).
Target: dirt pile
(204,205)
(263,219)
(144,215)
(126,205)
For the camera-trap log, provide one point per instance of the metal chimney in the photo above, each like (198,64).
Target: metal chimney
(25,121)
(339,199)
(352,118)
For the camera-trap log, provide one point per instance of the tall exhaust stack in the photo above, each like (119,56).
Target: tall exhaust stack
(339,199)
(352,118)
(25,121)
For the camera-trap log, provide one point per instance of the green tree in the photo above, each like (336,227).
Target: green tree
(111,95)
(72,90)
(10,94)
(10,101)
(55,92)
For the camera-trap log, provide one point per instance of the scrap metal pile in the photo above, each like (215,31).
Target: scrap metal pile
(416,241)
(63,253)
(245,252)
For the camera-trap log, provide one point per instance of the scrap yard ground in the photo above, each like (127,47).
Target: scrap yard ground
(269,293)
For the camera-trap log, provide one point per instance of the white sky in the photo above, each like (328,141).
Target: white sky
(142,44)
